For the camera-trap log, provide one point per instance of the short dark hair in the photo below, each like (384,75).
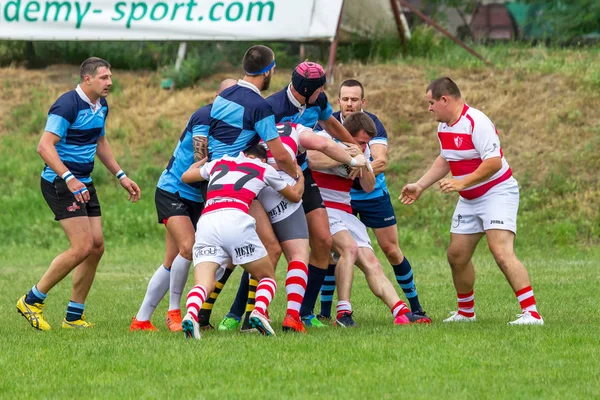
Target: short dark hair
(257,150)
(443,87)
(91,65)
(352,83)
(358,121)
(257,58)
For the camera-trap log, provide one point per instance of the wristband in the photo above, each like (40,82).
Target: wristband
(353,162)
(120,175)
(67,176)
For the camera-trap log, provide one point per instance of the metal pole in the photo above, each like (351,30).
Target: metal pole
(399,25)
(445,32)
(333,49)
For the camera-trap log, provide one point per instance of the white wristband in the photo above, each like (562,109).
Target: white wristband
(353,162)
(120,175)
(67,176)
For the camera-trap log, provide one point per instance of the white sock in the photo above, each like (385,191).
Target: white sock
(179,275)
(157,288)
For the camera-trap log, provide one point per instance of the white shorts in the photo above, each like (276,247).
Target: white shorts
(278,207)
(494,210)
(342,221)
(227,235)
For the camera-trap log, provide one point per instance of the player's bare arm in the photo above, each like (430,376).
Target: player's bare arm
(484,172)
(105,154)
(311,141)
(379,154)
(282,157)
(294,193)
(412,191)
(200,144)
(47,150)
(193,172)
(319,161)
(367,178)
(337,130)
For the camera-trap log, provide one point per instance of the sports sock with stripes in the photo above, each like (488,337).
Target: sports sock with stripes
(252,287)
(316,276)
(74,311)
(179,275)
(404,277)
(157,288)
(466,304)
(527,301)
(295,287)
(399,309)
(35,296)
(207,306)
(327,290)
(265,291)
(343,307)
(194,301)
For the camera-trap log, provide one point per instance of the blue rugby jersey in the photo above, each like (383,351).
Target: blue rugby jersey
(380,138)
(71,118)
(239,118)
(183,157)
(288,109)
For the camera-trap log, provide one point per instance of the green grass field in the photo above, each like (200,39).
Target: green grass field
(487,359)
(544,103)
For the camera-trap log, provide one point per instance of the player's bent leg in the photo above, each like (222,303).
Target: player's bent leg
(264,271)
(460,251)
(501,244)
(204,282)
(182,231)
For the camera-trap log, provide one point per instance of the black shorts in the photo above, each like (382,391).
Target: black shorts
(62,201)
(375,213)
(171,204)
(311,199)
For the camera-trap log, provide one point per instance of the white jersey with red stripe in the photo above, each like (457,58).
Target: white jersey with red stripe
(466,144)
(233,182)
(334,183)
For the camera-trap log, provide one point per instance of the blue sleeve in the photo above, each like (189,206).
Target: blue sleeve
(324,106)
(264,123)
(61,115)
(105,117)
(199,123)
(381,137)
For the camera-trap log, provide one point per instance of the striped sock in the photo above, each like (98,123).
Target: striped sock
(343,307)
(207,306)
(316,276)
(195,298)
(252,284)
(466,304)
(404,277)
(74,311)
(327,291)
(295,287)
(35,296)
(265,291)
(527,301)
(399,309)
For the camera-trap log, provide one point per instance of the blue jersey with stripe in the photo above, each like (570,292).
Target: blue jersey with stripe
(183,157)
(79,128)
(286,111)
(380,185)
(239,118)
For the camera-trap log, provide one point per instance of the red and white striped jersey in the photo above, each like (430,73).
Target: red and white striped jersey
(334,183)
(233,182)
(289,134)
(466,144)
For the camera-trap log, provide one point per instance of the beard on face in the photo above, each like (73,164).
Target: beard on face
(267,82)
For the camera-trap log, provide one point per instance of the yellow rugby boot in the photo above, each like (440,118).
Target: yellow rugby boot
(77,324)
(34,314)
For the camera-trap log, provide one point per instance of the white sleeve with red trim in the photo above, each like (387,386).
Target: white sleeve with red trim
(485,139)
(439,129)
(206,169)
(273,179)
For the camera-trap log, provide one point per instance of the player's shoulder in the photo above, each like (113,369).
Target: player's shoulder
(68,99)
(322,101)
(477,116)
(277,97)
(201,115)
(374,117)
(337,115)
(103,102)
(67,106)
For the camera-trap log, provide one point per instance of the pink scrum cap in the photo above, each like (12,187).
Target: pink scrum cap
(307,78)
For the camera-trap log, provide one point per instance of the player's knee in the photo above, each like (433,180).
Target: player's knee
(456,258)
(186,247)
(322,246)
(502,256)
(392,251)
(98,248)
(82,248)
(350,251)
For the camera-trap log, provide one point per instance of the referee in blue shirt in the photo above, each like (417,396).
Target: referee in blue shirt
(73,136)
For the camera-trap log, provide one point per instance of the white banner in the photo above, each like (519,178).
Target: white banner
(168,20)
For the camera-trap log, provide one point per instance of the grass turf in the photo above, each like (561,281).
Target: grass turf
(486,359)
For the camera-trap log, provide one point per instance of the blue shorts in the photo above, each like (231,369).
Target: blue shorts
(375,213)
